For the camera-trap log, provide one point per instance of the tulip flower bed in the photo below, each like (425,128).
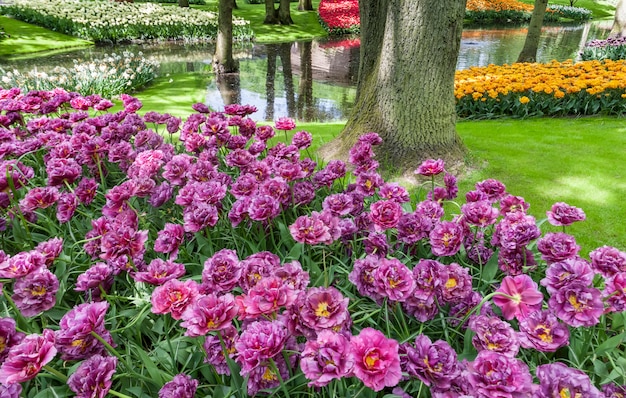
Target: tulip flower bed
(112,75)
(613,48)
(339,17)
(114,22)
(227,263)
(552,89)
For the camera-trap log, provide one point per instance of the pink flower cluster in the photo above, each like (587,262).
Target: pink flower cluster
(162,220)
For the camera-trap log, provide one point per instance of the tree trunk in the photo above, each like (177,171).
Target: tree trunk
(183,3)
(269,80)
(271,14)
(229,87)
(284,52)
(223,61)
(529,52)
(305,5)
(284,13)
(305,88)
(235,6)
(405,90)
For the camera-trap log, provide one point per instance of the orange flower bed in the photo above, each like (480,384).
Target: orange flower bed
(597,86)
(497,5)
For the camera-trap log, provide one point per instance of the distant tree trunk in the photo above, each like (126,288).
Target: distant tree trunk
(183,3)
(235,6)
(269,81)
(229,87)
(405,90)
(284,51)
(271,15)
(305,5)
(529,52)
(223,61)
(305,89)
(284,13)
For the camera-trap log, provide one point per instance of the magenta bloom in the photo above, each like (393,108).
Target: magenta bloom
(577,304)
(315,229)
(543,332)
(494,334)
(493,374)
(446,238)
(523,298)
(559,380)
(263,207)
(430,167)
(74,339)
(62,169)
(326,358)
(174,297)
(169,239)
(35,292)
(339,204)
(393,280)
(562,214)
(160,271)
(98,278)
(267,297)
(608,260)
(50,249)
(514,230)
(557,246)
(258,343)
(376,359)
(39,198)
(92,379)
(9,337)
(255,267)
(457,284)
(10,390)
(221,272)
(564,272)
(321,308)
(26,358)
(385,214)
(480,213)
(435,364)
(494,189)
(362,276)
(208,313)
(285,123)
(181,386)
(215,353)
(615,292)
(413,227)
(302,139)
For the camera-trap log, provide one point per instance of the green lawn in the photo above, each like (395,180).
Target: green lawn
(600,9)
(27,39)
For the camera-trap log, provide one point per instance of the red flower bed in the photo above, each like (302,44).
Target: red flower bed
(340,16)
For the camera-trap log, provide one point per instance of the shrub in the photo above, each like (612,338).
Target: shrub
(226,262)
(109,76)
(113,22)
(557,12)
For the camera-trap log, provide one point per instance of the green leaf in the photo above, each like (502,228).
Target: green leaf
(155,373)
(610,344)
(490,269)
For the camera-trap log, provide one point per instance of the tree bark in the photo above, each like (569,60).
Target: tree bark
(284,52)
(284,13)
(183,3)
(271,14)
(235,6)
(305,88)
(405,90)
(529,52)
(269,80)
(223,61)
(305,5)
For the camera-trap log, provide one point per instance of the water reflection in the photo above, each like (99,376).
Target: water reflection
(315,81)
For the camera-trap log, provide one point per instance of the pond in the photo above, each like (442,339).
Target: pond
(316,80)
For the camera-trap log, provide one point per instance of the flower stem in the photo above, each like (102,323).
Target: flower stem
(118,394)
(55,372)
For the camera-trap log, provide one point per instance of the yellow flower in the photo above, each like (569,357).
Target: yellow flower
(524,99)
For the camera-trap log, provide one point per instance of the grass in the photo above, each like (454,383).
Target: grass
(27,39)
(600,9)
(306,25)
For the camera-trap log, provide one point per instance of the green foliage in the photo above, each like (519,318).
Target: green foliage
(559,12)
(486,17)
(199,2)
(111,22)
